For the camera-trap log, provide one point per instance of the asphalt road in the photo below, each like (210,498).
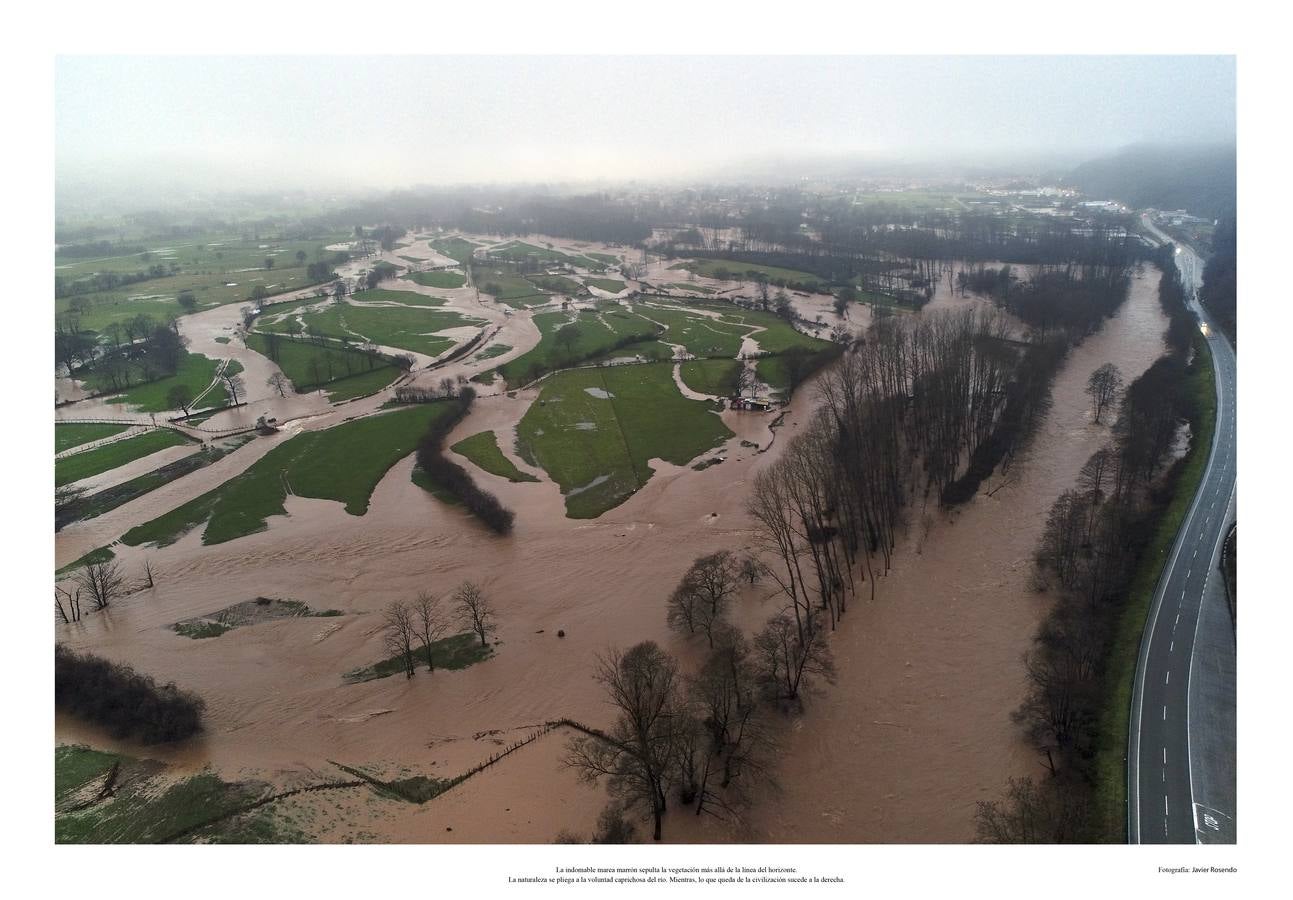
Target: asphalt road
(1181,753)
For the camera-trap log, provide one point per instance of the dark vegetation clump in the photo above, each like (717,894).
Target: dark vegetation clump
(1219,278)
(126,703)
(454,478)
(1097,538)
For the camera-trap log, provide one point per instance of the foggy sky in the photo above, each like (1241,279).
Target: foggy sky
(389,121)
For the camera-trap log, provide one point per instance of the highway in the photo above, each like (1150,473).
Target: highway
(1181,747)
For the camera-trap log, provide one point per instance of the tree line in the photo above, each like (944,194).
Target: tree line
(454,478)
(1219,278)
(1095,538)
(139,350)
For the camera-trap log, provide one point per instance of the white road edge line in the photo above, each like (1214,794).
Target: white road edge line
(1189,676)
(1147,636)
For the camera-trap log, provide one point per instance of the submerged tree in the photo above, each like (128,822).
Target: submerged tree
(637,756)
(399,633)
(101,582)
(475,611)
(430,622)
(1103,388)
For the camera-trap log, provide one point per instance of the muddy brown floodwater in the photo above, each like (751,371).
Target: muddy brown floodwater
(916,730)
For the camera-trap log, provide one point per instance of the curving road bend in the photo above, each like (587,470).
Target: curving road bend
(1181,747)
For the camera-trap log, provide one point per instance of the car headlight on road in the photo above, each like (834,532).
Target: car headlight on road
(1203,326)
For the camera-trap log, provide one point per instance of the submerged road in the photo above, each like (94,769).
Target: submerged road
(1181,748)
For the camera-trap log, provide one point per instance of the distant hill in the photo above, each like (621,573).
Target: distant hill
(1199,179)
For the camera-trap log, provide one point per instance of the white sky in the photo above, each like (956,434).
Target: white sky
(397,120)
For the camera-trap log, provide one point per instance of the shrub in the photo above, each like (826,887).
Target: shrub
(126,703)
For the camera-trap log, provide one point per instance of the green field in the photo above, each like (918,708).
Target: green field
(697,288)
(150,805)
(717,377)
(604,258)
(493,350)
(342,372)
(702,335)
(109,499)
(220,269)
(74,434)
(610,285)
(598,333)
(361,385)
(729,269)
(508,288)
(97,555)
(401,327)
(777,335)
(408,298)
(597,448)
(438,279)
(342,463)
(454,248)
(651,350)
(519,250)
(110,456)
(451,653)
(557,284)
(195,371)
(482,450)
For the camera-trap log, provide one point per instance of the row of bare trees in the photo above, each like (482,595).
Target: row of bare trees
(425,621)
(95,586)
(1094,540)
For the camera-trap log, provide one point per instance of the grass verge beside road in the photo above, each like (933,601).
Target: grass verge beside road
(1110,814)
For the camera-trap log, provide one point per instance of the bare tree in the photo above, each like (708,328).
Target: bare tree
(233,384)
(399,633)
(102,582)
(681,609)
(148,572)
(1031,814)
(279,382)
(180,396)
(1103,388)
(72,611)
(431,623)
(638,756)
(701,598)
(788,657)
(475,611)
(725,701)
